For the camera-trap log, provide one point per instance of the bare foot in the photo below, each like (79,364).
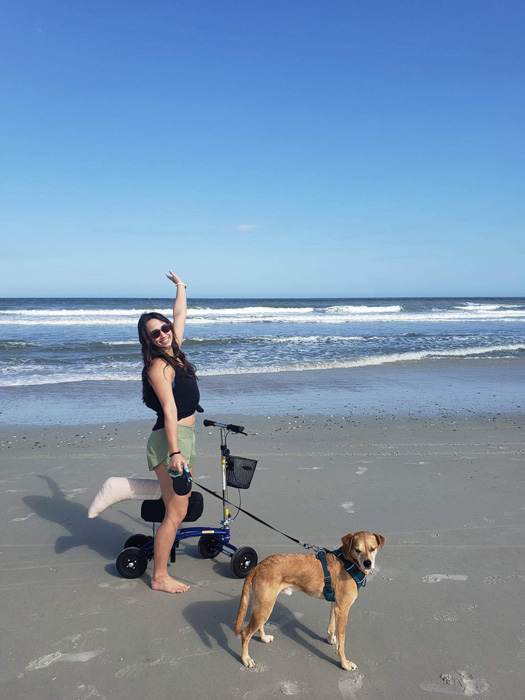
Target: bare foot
(168,585)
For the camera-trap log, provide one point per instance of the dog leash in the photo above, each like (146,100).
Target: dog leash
(315,547)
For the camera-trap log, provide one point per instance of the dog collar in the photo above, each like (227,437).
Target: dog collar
(352,569)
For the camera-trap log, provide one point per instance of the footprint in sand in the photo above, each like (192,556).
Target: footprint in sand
(86,692)
(275,690)
(73,493)
(446,616)
(48,659)
(291,688)
(461,683)
(118,585)
(19,520)
(348,687)
(436,578)
(137,668)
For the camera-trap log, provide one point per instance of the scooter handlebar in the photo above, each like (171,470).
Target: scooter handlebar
(229,426)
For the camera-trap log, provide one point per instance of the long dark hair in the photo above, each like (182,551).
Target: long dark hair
(150,351)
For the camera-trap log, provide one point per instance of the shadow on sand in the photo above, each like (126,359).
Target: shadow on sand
(98,534)
(215,620)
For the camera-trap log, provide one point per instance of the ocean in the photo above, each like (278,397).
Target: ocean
(79,359)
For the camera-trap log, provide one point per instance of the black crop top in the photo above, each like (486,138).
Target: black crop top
(185,392)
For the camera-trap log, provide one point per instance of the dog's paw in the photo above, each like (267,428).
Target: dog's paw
(348,665)
(331,639)
(249,662)
(267,638)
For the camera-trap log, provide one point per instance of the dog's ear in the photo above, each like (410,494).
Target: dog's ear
(380,540)
(347,541)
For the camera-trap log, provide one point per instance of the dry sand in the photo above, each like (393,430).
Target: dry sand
(442,615)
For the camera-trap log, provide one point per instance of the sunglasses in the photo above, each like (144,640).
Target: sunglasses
(166,328)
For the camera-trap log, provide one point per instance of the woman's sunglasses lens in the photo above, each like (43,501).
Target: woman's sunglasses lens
(156,333)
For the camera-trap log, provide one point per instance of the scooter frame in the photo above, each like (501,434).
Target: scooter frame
(138,549)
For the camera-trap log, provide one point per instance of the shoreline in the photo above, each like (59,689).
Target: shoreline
(424,388)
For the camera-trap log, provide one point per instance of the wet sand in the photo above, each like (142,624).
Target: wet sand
(440,616)
(452,387)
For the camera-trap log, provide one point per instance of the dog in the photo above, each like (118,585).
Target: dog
(282,572)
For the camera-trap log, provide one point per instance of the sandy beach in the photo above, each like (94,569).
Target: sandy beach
(303,218)
(439,616)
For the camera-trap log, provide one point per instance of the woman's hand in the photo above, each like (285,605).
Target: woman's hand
(174,278)
(177,463)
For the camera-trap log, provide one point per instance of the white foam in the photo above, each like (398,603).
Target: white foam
(120,342)
(477,307)
(503,315)
(115,321)
(367,361)
(48,374)
(75,312)
(250,311)
(129,371)
(269,315)
(8,344)
(363,309)
(312,338)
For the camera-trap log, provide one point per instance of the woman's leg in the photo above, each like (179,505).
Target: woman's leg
(120,488)
(176,509)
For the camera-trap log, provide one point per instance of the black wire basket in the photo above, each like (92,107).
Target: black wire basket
(239,472)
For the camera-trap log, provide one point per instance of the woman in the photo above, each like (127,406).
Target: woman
(169,387)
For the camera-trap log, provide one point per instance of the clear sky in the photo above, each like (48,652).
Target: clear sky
(262,148)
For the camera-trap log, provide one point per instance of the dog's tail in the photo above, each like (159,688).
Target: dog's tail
(245,599)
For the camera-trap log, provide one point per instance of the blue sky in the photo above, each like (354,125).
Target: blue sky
(262,149)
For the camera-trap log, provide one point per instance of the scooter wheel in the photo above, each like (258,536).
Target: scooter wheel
(243,561)
(137,541)
(208,547)
(131,562)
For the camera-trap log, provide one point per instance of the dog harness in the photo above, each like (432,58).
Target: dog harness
(328,591)
(350,568)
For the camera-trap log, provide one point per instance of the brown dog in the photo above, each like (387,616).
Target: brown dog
(305,573)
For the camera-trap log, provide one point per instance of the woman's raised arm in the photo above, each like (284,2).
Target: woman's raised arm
(180,307)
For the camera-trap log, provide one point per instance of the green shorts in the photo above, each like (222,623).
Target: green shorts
(157,450)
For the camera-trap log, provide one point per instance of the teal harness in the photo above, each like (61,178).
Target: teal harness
(351,569)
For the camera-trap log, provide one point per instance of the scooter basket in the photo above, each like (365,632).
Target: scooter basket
(239,472)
